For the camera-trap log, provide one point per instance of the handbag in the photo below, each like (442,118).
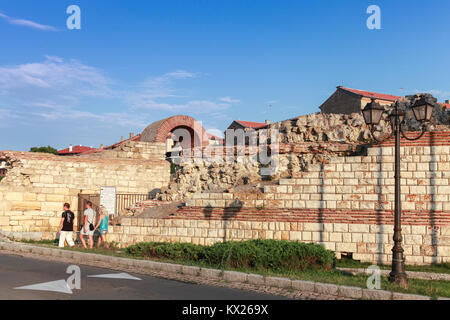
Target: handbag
(91,227)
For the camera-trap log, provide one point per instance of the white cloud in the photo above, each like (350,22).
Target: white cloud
(56,89)
(27,23)
(149,96)
(215,131)
(229,100)
(55,75)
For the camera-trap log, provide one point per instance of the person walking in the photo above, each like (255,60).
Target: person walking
(102,226)
(65,229)
(88,226)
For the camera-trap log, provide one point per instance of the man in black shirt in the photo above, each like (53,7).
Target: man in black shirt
(65,229)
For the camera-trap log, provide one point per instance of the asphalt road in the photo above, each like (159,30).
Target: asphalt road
(17,271)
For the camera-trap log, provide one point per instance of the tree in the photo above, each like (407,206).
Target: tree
(47,149)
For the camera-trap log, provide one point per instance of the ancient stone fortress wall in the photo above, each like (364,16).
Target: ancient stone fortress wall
(345,203)
(36,185)
(303,140)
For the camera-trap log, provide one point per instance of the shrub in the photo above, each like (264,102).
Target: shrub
(274,255)
(47,149)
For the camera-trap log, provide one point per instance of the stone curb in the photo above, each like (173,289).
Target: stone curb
(215,274)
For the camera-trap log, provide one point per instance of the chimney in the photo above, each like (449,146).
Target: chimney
(70,148)
(101,146)
(121,139)
(131,135)
(267,121)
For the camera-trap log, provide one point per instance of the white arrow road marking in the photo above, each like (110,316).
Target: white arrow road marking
(56,286)
(122,275)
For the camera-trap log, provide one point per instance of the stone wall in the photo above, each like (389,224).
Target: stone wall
(345,203)
(368,241)
(36,185)
(132,150)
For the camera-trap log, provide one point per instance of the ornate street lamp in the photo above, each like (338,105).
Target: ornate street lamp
(372,114)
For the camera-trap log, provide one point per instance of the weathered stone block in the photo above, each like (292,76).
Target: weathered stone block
(278,282)
(405,296)
(234,276)
(303,285)
(372,294)
(190,270)
(350,292)
(210,273)
(325,288)
(255,279)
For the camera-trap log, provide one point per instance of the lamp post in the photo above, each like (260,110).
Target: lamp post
(372,114)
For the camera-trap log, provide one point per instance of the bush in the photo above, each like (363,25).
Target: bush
(274,255)
(47,149)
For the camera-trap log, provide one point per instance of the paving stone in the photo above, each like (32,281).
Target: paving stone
(77,257)
(36,250)
(373,294)
(256,279)
(25,248)
(190,270)
(325,288)
(171,267)
(350,292)
(152,265)
(128,262)
(405,296)
(6,246)
(278,282)
(56,252)
(302,285)
(234,276)
(67,254)
(46,251)
(210,273)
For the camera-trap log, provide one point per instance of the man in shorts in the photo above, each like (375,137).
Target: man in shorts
(65,229)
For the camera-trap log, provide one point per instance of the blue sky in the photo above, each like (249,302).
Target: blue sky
(134,62)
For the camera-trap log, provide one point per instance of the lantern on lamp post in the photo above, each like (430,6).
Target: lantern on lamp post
(372,113)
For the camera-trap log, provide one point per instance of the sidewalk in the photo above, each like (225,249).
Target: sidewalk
(411,274)
(294,288)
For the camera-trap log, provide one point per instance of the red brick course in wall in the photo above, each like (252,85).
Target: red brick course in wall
(427,218)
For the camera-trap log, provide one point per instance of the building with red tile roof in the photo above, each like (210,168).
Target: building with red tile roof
(348,100)
(251,124)
(74,150)
(245,126)
(372,95)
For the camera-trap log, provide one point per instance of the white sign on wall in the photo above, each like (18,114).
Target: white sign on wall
(108,199)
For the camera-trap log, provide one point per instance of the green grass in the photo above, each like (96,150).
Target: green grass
(434,268)
(430,288)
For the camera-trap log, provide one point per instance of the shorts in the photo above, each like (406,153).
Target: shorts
(103,232)
(87,233)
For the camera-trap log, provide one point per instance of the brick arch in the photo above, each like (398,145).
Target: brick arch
(158,131)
